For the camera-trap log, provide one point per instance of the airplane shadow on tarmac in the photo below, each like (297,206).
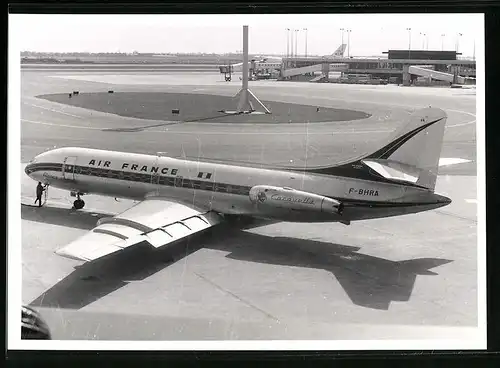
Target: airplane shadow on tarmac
(369,281)
(61,216)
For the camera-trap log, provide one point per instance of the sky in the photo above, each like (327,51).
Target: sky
(371,34)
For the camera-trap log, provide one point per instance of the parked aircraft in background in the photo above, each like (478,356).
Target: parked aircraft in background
(269,64)
(340,51)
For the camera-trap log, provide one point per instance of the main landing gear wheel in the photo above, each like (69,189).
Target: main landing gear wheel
(78,204)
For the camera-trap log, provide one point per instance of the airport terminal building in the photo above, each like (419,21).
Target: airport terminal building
(405,67)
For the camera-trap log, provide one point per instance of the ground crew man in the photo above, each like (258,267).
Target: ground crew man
(39,191)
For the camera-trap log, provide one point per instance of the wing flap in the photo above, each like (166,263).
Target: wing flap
(196,223)
(177,230)
(155,221)
(155,212)
(158,238)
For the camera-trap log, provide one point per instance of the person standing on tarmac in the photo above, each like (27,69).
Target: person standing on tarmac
(39,191)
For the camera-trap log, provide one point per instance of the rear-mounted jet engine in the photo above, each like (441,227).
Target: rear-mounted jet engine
(276,197)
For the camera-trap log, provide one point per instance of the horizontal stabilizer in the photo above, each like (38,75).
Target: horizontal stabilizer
(394,170)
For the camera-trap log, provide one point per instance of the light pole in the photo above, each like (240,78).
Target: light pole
(457,42)
(422,36)
(305,29)
(409,42)
(296,38)
(349,42)
(287,42)
(442,41)
(342,36)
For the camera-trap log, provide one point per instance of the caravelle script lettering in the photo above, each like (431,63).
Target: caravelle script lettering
(279,197)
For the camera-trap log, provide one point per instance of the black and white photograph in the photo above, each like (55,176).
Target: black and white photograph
(301,181)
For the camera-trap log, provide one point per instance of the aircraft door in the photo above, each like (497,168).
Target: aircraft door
(68,169)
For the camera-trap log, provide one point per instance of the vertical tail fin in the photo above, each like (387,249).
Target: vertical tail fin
(340,51)
(416,147)
(412,156)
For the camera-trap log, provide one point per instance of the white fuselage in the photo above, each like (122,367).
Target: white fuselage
(219,187)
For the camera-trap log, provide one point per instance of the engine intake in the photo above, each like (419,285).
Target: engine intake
(288,198)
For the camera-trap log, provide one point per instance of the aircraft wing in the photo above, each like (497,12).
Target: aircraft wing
(155,220)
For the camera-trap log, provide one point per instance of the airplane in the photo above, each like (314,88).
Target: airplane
(269,64)
(278,60)
(259,64)
(271,59)
(180,197)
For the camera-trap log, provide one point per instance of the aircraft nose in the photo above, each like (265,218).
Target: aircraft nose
(29,168)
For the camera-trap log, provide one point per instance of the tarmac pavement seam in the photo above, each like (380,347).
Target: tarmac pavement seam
(236,296)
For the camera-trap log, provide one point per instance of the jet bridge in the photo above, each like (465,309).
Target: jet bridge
(313,68)
(318,78)
(425,72)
